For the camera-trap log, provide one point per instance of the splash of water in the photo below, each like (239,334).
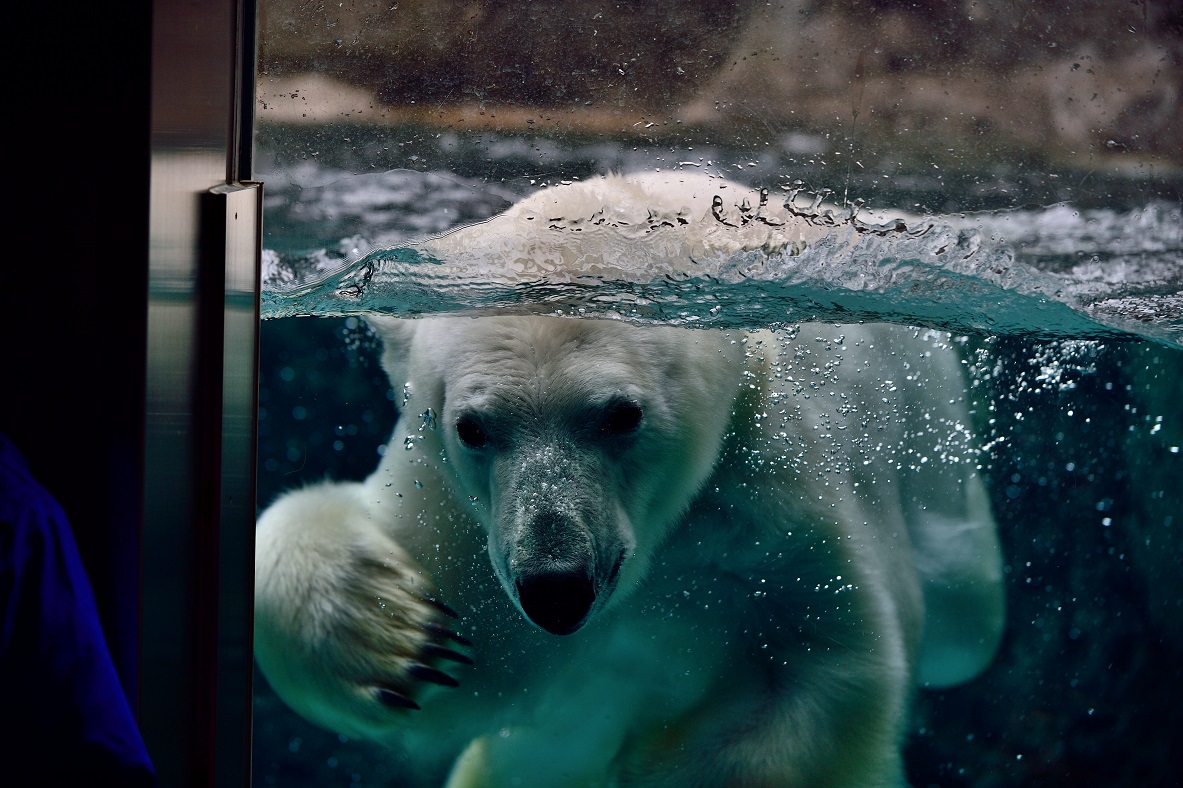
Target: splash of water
(750,261)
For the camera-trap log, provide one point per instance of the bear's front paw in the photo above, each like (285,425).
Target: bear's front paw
(349,631)
(428,664)
(389,638)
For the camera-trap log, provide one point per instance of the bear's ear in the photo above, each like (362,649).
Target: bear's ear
(396,334)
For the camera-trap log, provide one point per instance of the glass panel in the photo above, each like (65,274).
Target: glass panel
(861,377)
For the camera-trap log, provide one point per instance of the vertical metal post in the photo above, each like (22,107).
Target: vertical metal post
(227,419)
(200,394)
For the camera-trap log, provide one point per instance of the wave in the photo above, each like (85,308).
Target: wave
(1056,272)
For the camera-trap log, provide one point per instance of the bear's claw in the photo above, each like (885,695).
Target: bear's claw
(395,700)
(447,634)
(443,652)
(440,645)
(432,675)
(440,606)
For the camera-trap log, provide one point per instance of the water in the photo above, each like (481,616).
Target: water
(1070,300)
(1055,272)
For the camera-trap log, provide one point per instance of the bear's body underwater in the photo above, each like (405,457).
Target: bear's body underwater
(597,554)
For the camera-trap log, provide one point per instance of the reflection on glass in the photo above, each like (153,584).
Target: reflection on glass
(724,524)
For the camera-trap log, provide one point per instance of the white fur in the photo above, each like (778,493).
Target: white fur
(787,509)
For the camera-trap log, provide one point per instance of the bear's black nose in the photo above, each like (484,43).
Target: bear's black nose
(556,601)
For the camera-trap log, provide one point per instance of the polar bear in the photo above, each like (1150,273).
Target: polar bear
(597,553)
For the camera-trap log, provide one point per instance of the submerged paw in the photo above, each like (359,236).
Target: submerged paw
(431,662)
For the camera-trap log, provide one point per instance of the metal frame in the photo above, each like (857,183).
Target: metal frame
(200,396)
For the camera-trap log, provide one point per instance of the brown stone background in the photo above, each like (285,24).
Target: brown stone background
(1060,80)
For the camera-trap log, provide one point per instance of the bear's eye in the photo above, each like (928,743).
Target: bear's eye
(622,418)
(471,433)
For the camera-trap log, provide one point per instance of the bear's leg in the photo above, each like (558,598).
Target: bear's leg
(347,629)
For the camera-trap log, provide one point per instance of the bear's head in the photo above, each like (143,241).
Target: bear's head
(580,442)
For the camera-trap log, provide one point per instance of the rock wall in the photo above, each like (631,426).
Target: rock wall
(974,79)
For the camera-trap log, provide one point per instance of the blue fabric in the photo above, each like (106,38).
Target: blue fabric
(65,715)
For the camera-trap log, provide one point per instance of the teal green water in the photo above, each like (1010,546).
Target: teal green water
(1074,317)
